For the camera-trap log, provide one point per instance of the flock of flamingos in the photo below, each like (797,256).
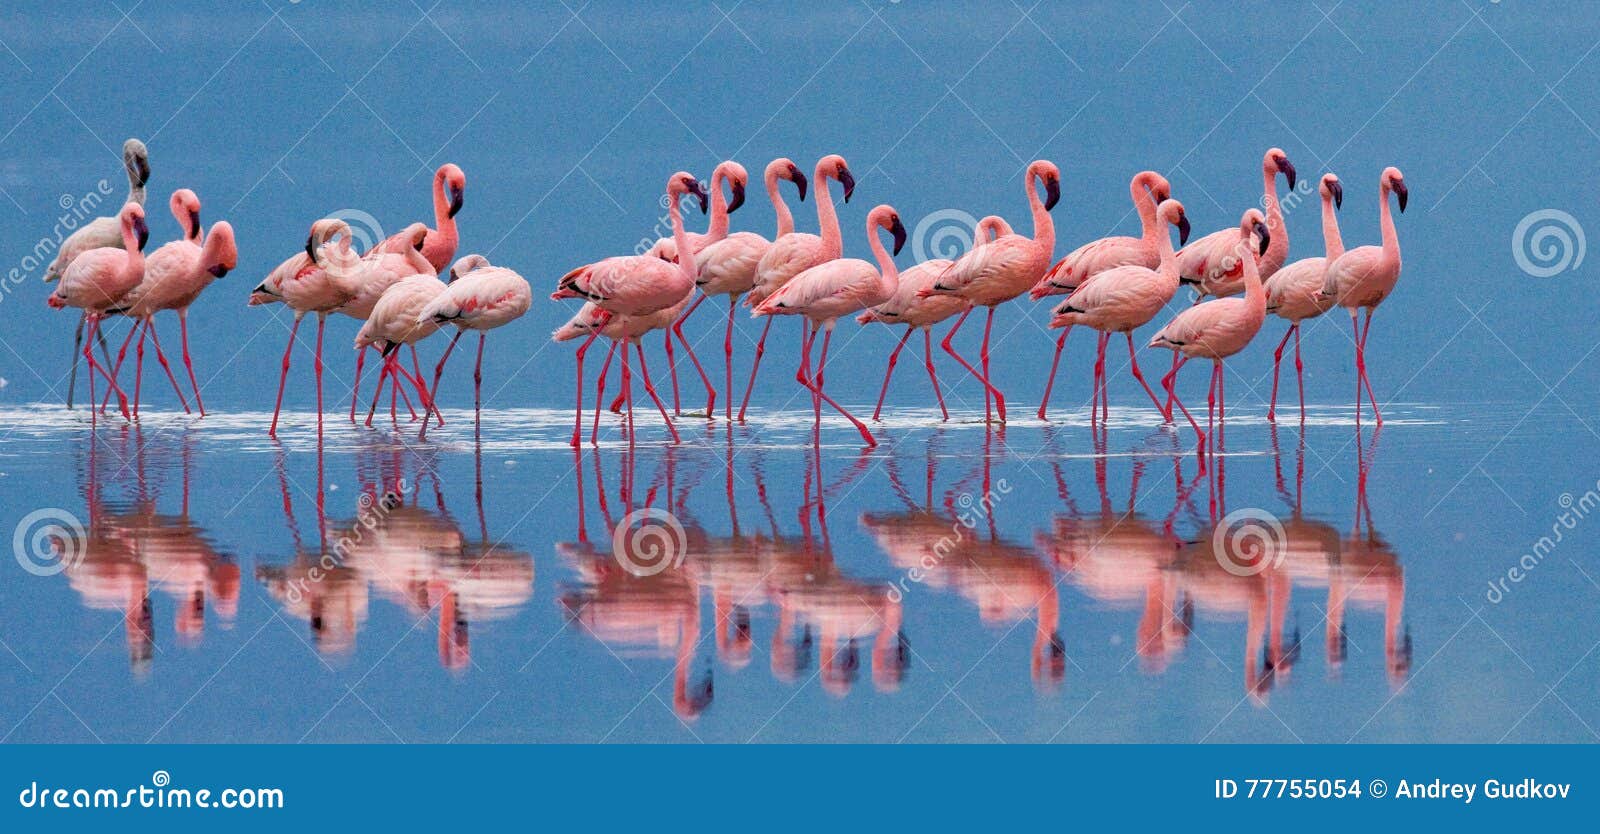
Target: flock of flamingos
(409,286)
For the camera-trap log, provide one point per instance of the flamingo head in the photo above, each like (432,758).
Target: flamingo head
(1158,186)
(588,320)
(132,217)
(1050,175)
(136,158)
(1332,190)
(1277,162)
(186,207)
(737,178)
(1394,181)
(1171,212)
(784,168)
(886,217)
(683,183)
(455,183)
(833,166)
(467,264)
(1255,223)
(221,251)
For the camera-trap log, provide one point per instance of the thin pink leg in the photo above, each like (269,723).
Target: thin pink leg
(999,399)
(422,394)
(438,370)
(672,367)
(183,337)
(161,356)
(322,322)
(894,356)
(948,348)
(627,391)
(1049,383)
(377,394)
(1299,375)
(822,360)
(727,362)
(477,383)
(77,345)
(677,329)
(284,376)
(138,365)
(711,391)
(1169,382)
(761,348)
(355,389)
(577,428)
(933,376)
(1099,398)
(1139,375)
(650,388)
(122,400)
(1277,359)
(116,367)
(1361,362)
(599,394)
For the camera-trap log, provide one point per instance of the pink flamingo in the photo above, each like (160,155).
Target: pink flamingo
(439,247)
(174,276)
(394,321)
(1294,293)
(1217,329)
(636,285)
(1211,263)
(1123,298)
(1365,275)
(829,291)
(997,272)
(480,297)
(99,232)
(728,266)
(97,279)
(380,269)
(795,252)
(1148,189)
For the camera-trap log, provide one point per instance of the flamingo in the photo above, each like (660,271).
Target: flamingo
(634,285)
(729,266)
(379,269)
(795,252)
(1148,189)
(1123,298)
(1211,263)
(1364,276)
(1294,293)
(174,277)
(479,297)
(836,288)
(997,272)
(97,233)
(97,279)
(439,247)
(904,307)
(394,321)
(1219,328)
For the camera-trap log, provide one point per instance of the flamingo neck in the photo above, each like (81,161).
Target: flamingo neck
(1145,203)
(1391,240)
(1169,261)
(1332,243)
(442,221)
(135,190)
(785,219)
(827,219)
(1254,295)
(888,273)
(1278,245)
(130,242)
(680,238)
(1044,229)
(718,227)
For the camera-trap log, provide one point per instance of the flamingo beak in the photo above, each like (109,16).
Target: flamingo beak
(1337,191)
(799,180)
(194,225)
(738,197)
(898,230)
(142,230)
(1401,192)
(1261,232)
(1286,168)
(1183,229)
(848,181)
(142,165)
(458,196)
(696,190)
(218,271)
(1052,193)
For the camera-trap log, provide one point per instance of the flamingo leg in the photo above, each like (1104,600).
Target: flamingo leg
(284,377)
(803,375)
(1299,375)
(116,369)
(950,349)
(672,367)
(423,395)
(322,322)
(77,347)
(711,391)
(599,394)
(894,356)
(933,376)
(1361,364)
(438,370)
(677,330)
(627,394)
(727,362)
(1222,402)
(355,389)
(577,428)
(1100,395)
(161,356)
(1277,359)
(1139,375)
(1169,382)
(477,383)
(141,327)
(822,360)
(377,394)
(394,390)
(1211,403)
(1050,381)
(650,388)
(761,348)
(88,352)
(183,337)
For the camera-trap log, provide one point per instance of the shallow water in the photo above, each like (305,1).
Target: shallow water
(1041,583)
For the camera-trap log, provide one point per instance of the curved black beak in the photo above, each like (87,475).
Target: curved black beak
(311,247)
(142,165)
(1286,168)
(142,230)
(1338,194)
(194,225)
(218,271)
(898,230)
(1266,237)
(738,197)
(696,190)
(458,196)
(1052,193)
(1183,229)
(1401,192)
(799,182)
(848,181)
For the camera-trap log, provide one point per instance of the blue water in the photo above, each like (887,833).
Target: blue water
(567,128)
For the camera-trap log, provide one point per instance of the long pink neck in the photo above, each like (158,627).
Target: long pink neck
(1169,261)
(442,221)
(1150,227)
(785,219)
(1044,229)
(1391,240)
(1332,243)
(1278,245)
(680,239)
(718,228)
(130,242)
(827,220)
(888,274)
(1254,295)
